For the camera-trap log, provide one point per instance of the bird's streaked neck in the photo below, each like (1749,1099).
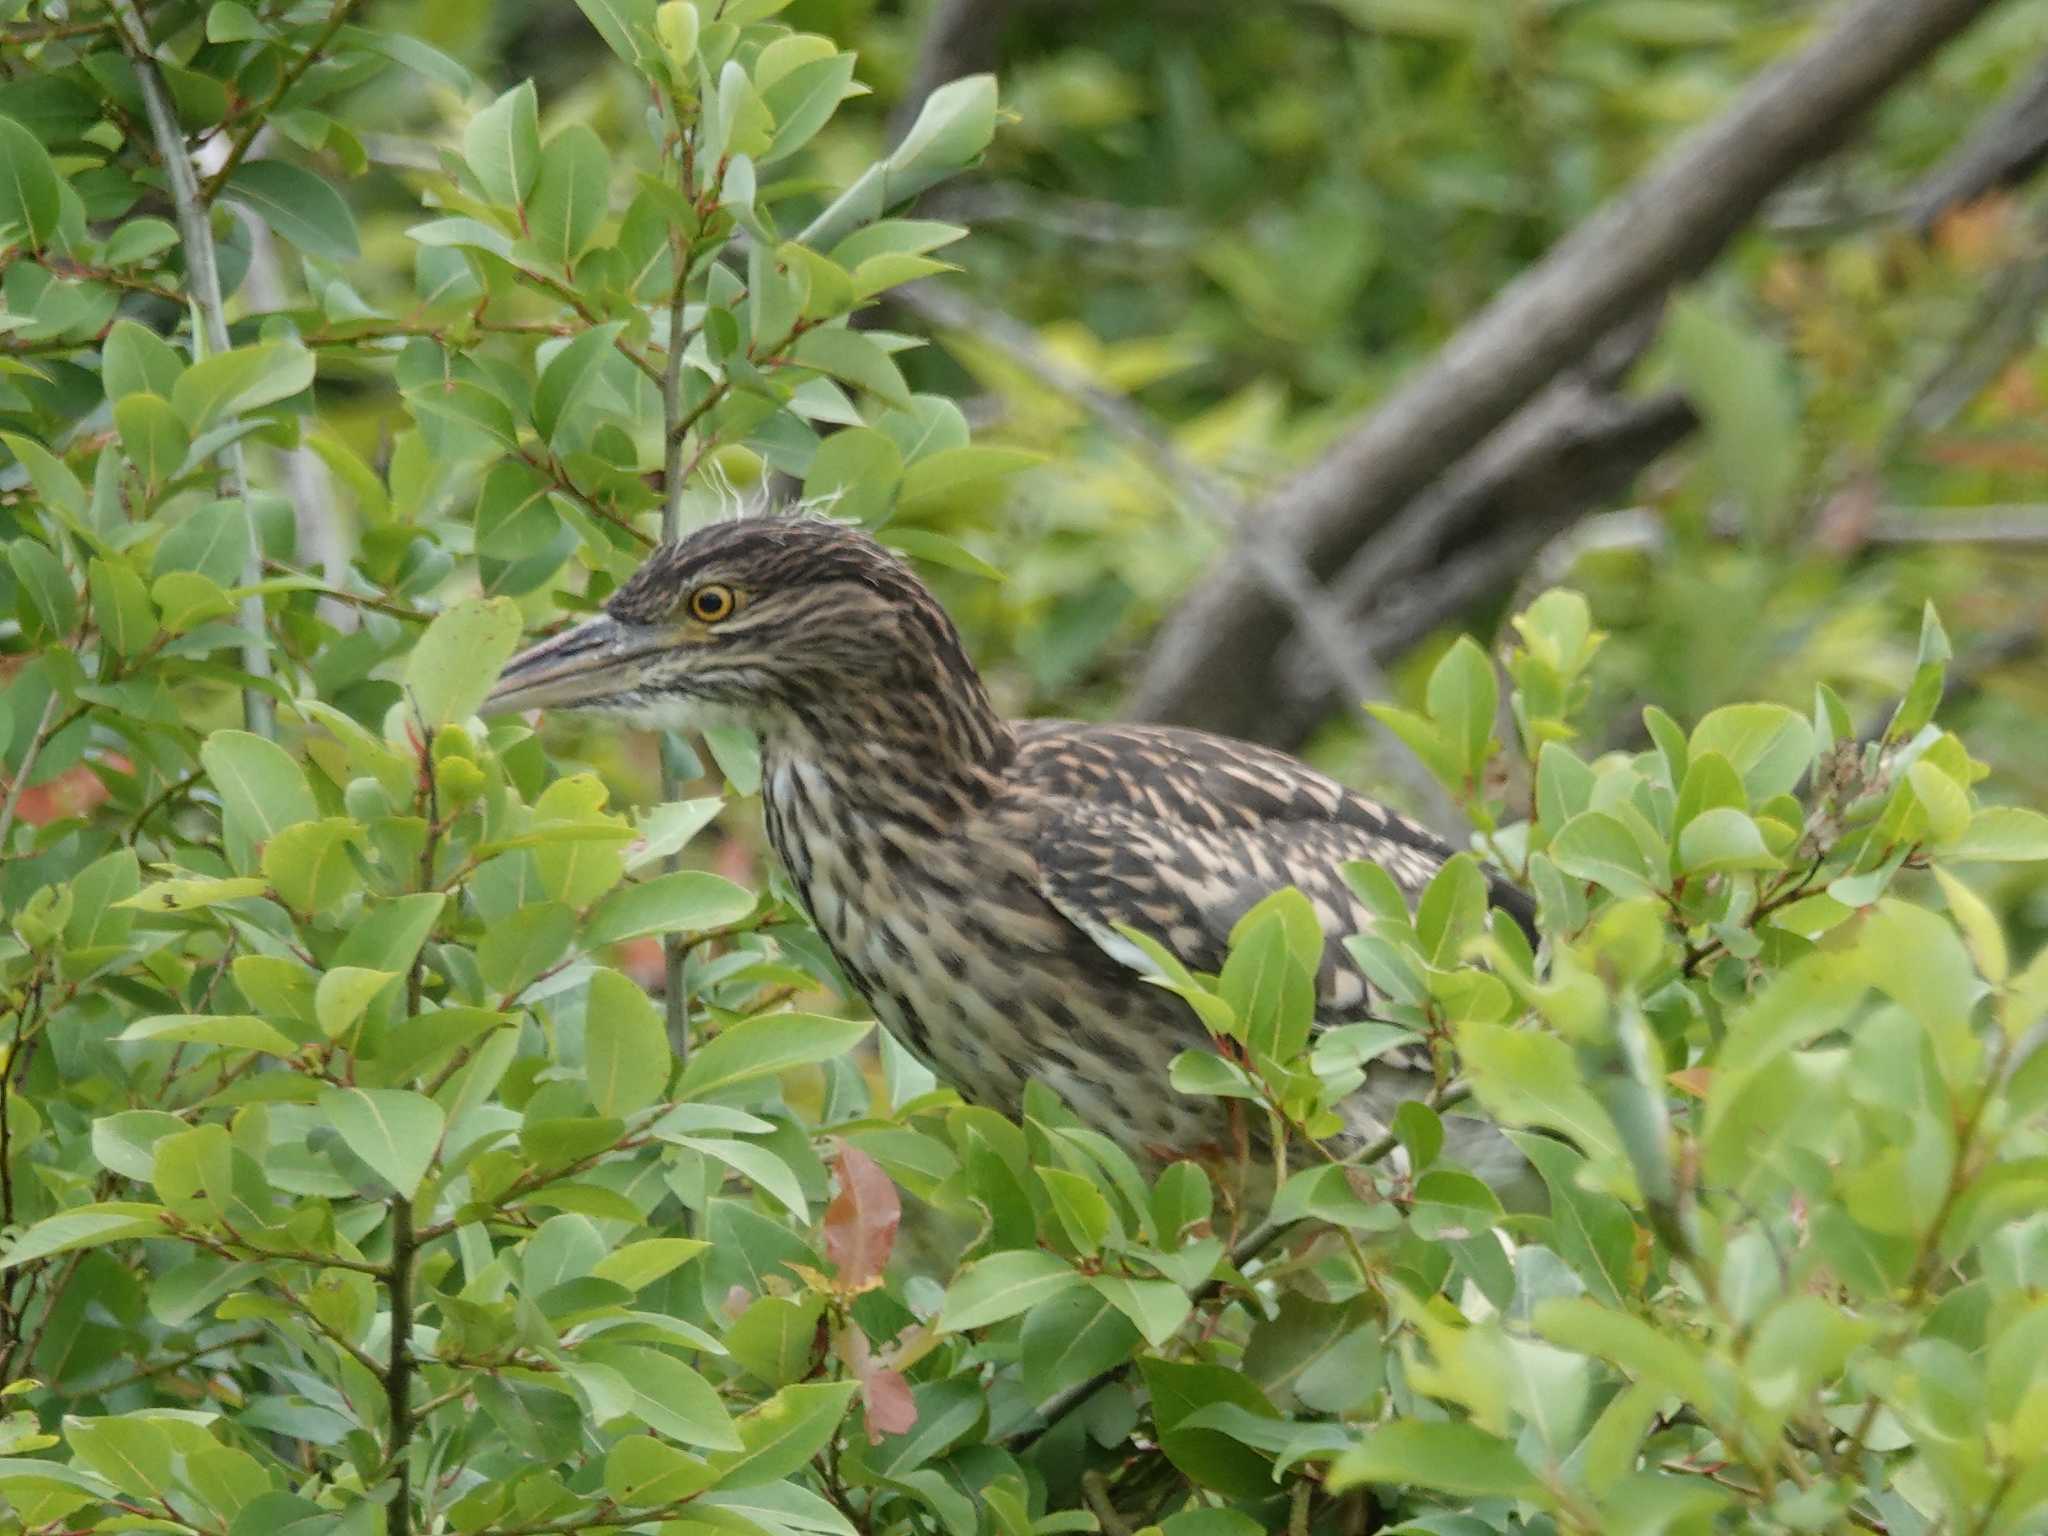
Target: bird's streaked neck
(927,754)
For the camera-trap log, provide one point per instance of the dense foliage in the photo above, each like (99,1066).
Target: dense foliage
(350,1178)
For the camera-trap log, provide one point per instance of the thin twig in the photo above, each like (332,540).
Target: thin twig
(258,116)
(202,275)
(675,1006)
(28,764)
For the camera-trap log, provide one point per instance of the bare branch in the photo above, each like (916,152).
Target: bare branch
(2008,145)
(2022,525)
(202,276)
(1669,225)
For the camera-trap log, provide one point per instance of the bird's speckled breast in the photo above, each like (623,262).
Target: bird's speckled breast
(965,962)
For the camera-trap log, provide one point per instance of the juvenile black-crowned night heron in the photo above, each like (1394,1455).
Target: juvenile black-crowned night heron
(970,872)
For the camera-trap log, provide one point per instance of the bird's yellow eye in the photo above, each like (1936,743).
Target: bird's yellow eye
(711,603)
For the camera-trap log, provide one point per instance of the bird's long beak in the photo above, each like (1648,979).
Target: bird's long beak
(565,670)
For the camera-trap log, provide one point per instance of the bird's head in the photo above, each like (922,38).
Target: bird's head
(775,620)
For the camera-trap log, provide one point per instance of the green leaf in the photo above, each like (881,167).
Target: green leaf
(783,1434)
(1082,1210)
(459,657)
(764,1047)
(1452,911)
(856,470)
(2003,834)
(1002,1285)
(1463,695)
(190,894)
(937,549)
(309,864)
(300,207)
(1723,839)
(1597,847)
(85,1226)
(344,994)
(45,585)
(626,1059)
(1156,1307)
(569,194)
(623,24)
(135,359)
(1448,1457)
(121,609)
(663,1393)
(213,540)
(1210,1457)
(262,788)
(688,900)
(855,358)
(519,946)
(136,241)
(1946,802)
(152,435)
(1073,1338)
(393,1130)
(31,192)
(776,1337)
(1525,1077)
(50,475)
(502,146)
(562,380)
(243,379)
(641,1472)
(1770,746)
(235,1031)
(410,53)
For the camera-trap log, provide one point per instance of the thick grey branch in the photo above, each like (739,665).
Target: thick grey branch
(1666,227)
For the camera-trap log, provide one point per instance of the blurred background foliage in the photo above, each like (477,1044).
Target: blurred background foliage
(1252,220)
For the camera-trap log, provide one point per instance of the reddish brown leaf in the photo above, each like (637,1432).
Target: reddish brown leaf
(884,1394)
(1697,1081)
(74,792)
(643,960)
(861,1221)
(891,1410)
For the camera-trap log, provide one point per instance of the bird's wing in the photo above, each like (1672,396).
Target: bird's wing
(1177,834)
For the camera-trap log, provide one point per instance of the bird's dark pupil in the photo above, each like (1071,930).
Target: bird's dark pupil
(712,603)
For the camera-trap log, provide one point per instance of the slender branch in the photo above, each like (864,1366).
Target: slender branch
(202,275)
(674,1004)
(398,1372)
(28,765)
(172,1363)
(258,116)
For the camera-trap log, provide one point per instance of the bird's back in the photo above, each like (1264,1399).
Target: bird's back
(1178,833)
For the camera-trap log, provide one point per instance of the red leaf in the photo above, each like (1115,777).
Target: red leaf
(861,1221)
(74,792)
(891,1410)
(884,1394)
